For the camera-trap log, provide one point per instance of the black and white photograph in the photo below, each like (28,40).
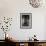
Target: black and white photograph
(25,20)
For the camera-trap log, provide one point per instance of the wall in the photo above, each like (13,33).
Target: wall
(13,8)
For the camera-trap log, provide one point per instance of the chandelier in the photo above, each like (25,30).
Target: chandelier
(36,3)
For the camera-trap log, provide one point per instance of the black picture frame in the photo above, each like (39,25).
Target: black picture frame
(26,20)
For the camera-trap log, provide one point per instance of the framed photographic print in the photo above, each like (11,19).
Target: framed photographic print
(26,20)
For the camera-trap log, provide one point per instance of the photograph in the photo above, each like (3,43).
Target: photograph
(25,20)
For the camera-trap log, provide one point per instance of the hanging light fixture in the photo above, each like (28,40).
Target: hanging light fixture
(36,3)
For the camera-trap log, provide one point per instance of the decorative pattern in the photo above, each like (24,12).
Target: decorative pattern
(6,24)
(36,3)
